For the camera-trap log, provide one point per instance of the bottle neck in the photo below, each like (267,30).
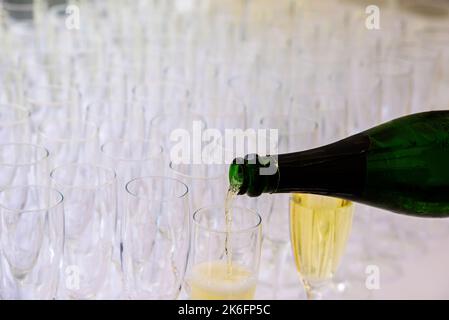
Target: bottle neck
(254,175)
(338,169)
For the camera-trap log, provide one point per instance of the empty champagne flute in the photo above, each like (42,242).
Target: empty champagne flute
(130,158)
(363,101)
(47,97)
(396,87)
(69,140)
(48,103)
(295,131)
(329,110)
(121,123)
(162,93)
(44,68)
(90,212)
(176,130)
(207,183)
(261,91)
(23,164)
(32,240)
(12,82)
(156,237)
(424,72)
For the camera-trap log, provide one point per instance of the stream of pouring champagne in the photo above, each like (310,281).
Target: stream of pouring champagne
(230,196)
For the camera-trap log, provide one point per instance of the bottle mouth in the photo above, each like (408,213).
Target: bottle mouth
(241,174)
(237,173)
(252,175)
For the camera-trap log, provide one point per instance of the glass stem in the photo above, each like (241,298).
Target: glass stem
(316,290)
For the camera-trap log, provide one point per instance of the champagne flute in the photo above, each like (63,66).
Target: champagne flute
(23,164)
(162,93)
(330,111)
(90,211)
(319,229)
(130,158)
(295,132)
(207,182)
(69,140)
(156,237)
(396,87)
(211,274)
(173,128)
(12,82)
(258,90)
(32,238)
(47,102)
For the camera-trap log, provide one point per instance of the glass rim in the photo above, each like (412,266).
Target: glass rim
(11,67)
(433,30)
(48,65)
(271,77)
(339,104)
(52,86)
(98,101)
(213,117)
(418,51)
(112,83)
(112,141)
(219,231)
(41,187)
(164,114)
(328,94)
(233,109)
(375,84)
(137,96)
(156,81)
(183,194)
(131,66)
(402,67)
(110,181)
(311,59)
(169,104)
(172,165)
(92,125)
(313,122)
(346,203)
(70,90)
(45,155)
(59,103)
(227,98)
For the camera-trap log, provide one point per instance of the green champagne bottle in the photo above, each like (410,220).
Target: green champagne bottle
(401,166)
